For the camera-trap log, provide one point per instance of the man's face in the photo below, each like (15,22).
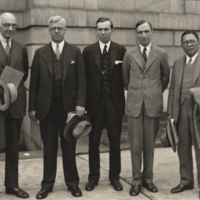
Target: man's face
(190,45)
(8,26)
(57,31)
(144,33)
(104,31)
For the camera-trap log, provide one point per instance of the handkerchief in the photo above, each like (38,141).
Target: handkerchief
(117,62)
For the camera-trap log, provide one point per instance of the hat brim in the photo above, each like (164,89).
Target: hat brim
(73,123)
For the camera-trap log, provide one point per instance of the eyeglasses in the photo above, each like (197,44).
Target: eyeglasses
(192,42)
(6,25)
(58,28)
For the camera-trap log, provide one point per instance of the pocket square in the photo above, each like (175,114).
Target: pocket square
(117,62)
(73,62)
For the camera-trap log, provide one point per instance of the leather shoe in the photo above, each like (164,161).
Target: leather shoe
(181,188)
(18,192)
(90,185)
(76,191)
(135,190)
(150,186)
(42,194)
(116,185)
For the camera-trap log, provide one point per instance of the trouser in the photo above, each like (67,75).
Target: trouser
(142,134)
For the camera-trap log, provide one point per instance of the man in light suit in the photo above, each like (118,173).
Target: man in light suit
(57,87)
(105,100)
(145,76)
(185,75)
(13,54)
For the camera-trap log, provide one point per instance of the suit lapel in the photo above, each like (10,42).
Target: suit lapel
(179,68)
(113,55)
(2,56)
(67,58)
(151,57)
(15,53)
(197,69)
(48,57)
(96,55)
(137,56)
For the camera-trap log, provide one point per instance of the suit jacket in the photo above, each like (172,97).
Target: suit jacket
(145,85)
(41,83)
(175,86)
(19,61)
(92,59)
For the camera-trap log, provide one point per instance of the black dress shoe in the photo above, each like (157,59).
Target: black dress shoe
(116,185)
(135,190)
(76,191)
(181,188)
(42,194)
(90,185)
(18,192)
(150,186)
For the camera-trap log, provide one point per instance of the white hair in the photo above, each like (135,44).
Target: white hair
(56,19)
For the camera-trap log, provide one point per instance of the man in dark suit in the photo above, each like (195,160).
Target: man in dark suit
(185,75)
(105,100)
(13,54)
(57,87)
(145,76)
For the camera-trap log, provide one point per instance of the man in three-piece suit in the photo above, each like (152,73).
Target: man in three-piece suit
(185,75)
(57,87)
(105,100)
(145,76)
(13,54)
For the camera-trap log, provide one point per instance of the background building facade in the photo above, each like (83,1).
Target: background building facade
(168,17)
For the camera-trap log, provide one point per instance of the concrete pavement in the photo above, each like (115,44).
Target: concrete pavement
(166,176)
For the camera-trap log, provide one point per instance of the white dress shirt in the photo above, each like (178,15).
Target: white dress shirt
(101,44)
(61,45)
(148,49)
(193,58)
(4,41)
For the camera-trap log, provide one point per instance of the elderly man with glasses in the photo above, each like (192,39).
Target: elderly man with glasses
(13,54)
(57,87)
(185,75)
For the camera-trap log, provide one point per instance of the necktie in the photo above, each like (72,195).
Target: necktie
(57,52)
(144,55)
(7,48)
(105,50)
(189,63)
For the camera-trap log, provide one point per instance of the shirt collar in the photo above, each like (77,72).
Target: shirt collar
(193,58)
(148,48)
(4,40)
(61,45)
(101,44)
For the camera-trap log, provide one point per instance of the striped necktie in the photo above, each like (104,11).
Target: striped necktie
(7,48)
(144,55)
(189,63)
(57,51)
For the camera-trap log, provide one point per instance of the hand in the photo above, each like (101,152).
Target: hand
(32,115)
(80,111)
(169,116)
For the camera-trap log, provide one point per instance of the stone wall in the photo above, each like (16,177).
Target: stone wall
(168,17)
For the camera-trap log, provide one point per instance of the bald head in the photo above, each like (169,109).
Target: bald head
(7,17)
(8,24)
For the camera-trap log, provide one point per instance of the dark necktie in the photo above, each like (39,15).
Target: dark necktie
(144,55)
(189,63)
(7,48)
(105,50)
(57,52)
